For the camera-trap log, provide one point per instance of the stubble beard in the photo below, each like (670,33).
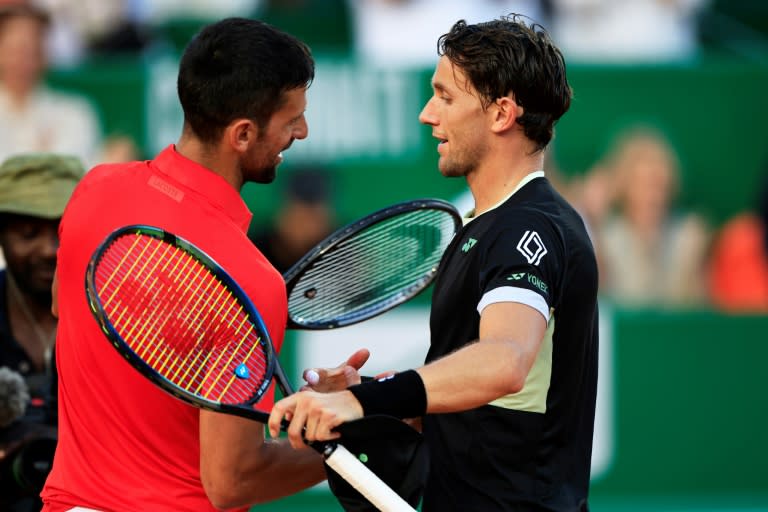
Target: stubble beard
(263,172)
(265,175)
(461,165)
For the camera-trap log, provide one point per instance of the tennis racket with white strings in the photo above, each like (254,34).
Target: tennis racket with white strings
(186,325)
(371,265)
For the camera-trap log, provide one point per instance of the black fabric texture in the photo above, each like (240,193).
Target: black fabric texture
(391,449)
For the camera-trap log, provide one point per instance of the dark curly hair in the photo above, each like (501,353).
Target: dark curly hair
(506,56)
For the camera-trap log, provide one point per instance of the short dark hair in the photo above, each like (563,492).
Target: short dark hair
(237,68)
(509,56)
(24,10)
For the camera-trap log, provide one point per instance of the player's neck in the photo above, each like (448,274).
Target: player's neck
(496,180)
(210,157)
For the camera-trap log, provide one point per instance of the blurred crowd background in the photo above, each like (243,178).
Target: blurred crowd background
(663,152)
(74,75)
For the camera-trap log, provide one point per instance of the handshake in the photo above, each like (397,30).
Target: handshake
(392,448)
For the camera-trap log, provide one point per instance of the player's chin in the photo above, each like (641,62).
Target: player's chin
(450,171)
(265,175)
(456,167)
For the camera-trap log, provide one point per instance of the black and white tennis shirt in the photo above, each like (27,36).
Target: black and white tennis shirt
(530,450)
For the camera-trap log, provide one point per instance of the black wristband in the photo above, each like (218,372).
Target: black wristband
(402,395)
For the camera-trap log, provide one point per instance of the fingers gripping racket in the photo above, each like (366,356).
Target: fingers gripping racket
(185,324)
(371,265)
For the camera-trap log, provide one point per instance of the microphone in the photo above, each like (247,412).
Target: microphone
(14,396)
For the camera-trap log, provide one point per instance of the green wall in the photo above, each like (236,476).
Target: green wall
(712,110)
(690,404)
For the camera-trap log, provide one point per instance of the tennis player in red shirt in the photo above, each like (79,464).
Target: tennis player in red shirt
(125,445)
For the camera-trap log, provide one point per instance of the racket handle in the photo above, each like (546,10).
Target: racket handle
(364,480)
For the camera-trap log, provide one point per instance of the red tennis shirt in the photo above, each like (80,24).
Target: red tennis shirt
(124,444)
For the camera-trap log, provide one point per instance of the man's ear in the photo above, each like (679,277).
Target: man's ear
(506,112)
(240,134)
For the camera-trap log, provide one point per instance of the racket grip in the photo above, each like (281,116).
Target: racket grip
(364,480)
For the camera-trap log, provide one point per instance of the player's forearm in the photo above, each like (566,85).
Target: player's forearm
(279,471)
(497,365)
(468,378)
(239,467)
(473,376)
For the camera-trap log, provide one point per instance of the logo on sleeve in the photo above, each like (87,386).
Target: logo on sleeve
(532,247)
(468,245)
(535,281)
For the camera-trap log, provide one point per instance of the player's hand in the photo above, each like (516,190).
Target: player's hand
(326,380)
(313,416)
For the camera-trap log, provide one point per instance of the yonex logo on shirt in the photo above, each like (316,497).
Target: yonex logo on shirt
(535,281)
(468,245)
(532,247)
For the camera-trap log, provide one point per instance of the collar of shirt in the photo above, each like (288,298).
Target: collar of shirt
(527,179)
(204,182)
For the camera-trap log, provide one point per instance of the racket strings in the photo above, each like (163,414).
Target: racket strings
(387,262)
(176,315)
(392,257)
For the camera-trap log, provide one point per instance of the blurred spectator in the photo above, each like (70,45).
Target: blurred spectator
(403,33)
(172,23)
(593,195)
(739,265)
(34,118)
(304,218)
(34,189)
(651,255)
(82,27)
(627,31)
(119,148)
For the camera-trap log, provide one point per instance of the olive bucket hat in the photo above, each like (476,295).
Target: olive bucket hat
(38,184)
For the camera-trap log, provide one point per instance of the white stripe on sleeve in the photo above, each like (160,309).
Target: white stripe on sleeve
(514,294)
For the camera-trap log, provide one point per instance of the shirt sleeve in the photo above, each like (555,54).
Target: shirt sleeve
(522,265)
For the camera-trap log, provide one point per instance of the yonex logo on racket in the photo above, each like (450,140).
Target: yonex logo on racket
(531,247)
(242,371)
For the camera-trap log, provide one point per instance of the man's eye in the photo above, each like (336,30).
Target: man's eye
(26,231)
(31,233)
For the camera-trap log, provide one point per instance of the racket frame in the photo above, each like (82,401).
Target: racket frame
(335,455)
(272,368)
(310,259)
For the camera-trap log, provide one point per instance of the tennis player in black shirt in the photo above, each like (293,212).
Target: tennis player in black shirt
(507,393)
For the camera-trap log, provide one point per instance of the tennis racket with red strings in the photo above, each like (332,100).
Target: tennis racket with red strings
(185,324)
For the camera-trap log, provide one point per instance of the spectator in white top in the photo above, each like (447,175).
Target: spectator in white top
(33,117)
(632,31)
(402,33)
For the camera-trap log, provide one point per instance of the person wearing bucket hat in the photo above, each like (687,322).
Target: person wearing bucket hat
(34,190)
